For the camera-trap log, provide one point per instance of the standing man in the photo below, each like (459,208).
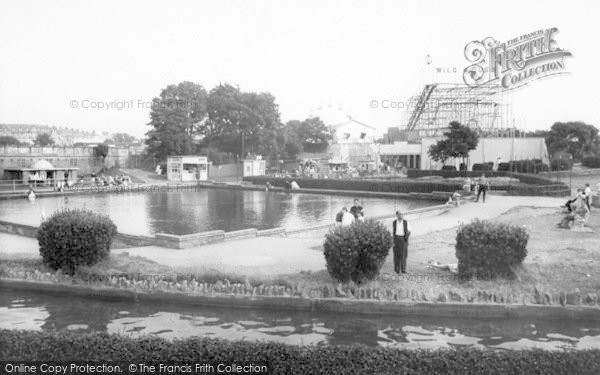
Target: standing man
(483,187)
(347,217)
(354,210)
(401,232)
(587,196)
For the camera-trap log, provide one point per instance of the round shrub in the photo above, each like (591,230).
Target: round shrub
(485,249)
(70,238)
(357,252)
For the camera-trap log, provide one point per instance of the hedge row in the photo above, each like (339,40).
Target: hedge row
(524,178)
(539,186)
(286,359)
(362,184)
(591,161)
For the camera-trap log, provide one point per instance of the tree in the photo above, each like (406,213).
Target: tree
(101,151)
(439,151)
(176,118)
(7,140)
(460,140)
(43,140)
(576,138)
(242,120)
(310,135)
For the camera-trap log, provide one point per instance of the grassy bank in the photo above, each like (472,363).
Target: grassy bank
(286,359)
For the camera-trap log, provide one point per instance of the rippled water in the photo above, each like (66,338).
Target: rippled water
(206,209)
(34,311)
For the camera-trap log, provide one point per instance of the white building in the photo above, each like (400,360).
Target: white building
(402,154)
(352,131)
(184,168)
(254,167)
(490,150)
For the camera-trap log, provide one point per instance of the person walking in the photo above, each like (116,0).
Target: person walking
(401,232)
(483,187)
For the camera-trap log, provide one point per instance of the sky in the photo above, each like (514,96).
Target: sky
(61,60)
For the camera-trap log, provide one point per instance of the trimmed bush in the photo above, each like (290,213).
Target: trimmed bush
(485,249)
(591,161)
(280,358)
(70,238)
(448,168)
(357,252)
(484,167)
(561,164)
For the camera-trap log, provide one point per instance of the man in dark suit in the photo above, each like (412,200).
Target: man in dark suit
(401,232)
(354,210)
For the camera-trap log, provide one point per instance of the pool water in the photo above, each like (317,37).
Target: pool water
(186,212)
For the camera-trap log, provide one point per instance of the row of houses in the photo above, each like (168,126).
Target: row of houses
(81,160)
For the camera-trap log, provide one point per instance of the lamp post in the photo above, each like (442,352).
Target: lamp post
(243,154)
(571,172)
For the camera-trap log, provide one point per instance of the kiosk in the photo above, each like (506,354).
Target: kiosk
(185,168)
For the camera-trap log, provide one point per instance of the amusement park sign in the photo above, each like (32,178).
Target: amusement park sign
(514,63)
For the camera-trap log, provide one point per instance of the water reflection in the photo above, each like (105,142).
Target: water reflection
(26,310)
(187,212)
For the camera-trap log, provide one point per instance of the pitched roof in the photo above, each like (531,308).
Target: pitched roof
(350,121)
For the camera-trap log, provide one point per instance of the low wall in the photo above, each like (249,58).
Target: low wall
(188,240)
(224,170)
(285,301)
(172,241)
(120,240)
(19,229)
(361,185)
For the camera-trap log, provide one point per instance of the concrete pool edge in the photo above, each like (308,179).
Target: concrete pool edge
(172,241)
(333,305)
(166,187)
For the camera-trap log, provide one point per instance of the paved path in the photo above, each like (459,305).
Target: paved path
(300,252)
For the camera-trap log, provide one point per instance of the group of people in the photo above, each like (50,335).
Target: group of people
(103,180)
(577,208)
(400,231)
(479,185)
(345,217)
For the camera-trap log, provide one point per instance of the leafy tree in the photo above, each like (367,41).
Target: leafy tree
(236,117)
(576,138)
(310,135)
(101,151)
(440,151)
(176,119)
(43,140)
(459,141)
(7,140)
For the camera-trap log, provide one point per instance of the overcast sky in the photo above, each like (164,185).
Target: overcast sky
(328,58)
